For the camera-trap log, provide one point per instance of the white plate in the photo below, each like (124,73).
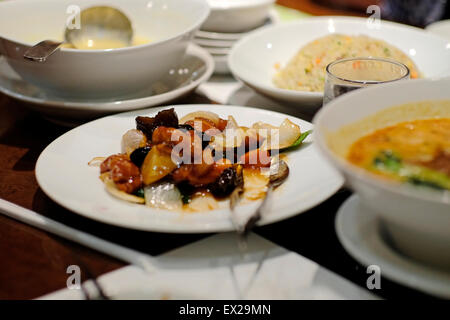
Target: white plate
(208,43)
(252,59)
(63,174)
(229,36)
(360,232)
(440,28)
(217,51)
(196,68)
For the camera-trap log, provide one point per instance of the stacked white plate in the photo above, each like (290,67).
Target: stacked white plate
(228,22)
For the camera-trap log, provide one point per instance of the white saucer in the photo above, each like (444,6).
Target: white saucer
(196,68)
(272,18)
(360,232)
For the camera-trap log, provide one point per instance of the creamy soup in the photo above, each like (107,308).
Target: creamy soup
(416,152)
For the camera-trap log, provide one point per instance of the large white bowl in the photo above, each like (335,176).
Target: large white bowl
(195,68)
(170,24)
(417,220)
(236,15)
(253,58)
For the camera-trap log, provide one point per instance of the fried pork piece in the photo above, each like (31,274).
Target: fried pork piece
(173,136)
(206,128)
(256,159)
(124,173)
(202,174)
(184,140)
(204,125)
(108,163)
(222,124)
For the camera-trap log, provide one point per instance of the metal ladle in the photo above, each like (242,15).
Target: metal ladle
(96,23)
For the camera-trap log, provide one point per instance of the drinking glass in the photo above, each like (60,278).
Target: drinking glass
(349,74)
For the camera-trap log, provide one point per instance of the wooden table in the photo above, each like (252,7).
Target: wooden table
(34,262)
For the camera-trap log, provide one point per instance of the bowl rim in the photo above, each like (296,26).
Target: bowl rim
(298,23)
(440,197)
(237,5)
(193,26)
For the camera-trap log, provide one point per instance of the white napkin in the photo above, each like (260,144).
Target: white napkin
(227,90)
(214,268)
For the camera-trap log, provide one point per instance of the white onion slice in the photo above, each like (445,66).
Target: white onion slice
(278,137)
(96,162)
(289,133)
(255,183)
(232,137)
(133,139)
(201,114)
(163,195)
(202,203)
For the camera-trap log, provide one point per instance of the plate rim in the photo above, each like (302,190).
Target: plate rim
(125,104)
(209,43)
(396,271)
(181,229)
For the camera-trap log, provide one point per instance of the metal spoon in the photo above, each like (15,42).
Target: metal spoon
(96,23)
(279,171)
